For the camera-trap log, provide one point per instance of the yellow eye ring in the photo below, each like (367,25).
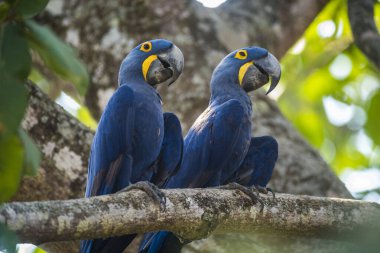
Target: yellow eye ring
(241,54)
(146,46)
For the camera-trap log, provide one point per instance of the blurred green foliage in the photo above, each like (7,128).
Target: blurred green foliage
(38,250)
(332,93)
(8,240)
(58,57)
(19,35)
(84,116)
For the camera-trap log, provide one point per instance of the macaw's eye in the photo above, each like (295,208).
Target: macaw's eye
(146,47)
(241,54)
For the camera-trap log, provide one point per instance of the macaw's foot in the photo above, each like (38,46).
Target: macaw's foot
(265,190)
(247,190)
(152,190)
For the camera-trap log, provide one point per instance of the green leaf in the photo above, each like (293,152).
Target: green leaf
(373,119)
(32,154)
(38,250)
(15,65)
(4,7)
(15,58)
(57,56)
(349,158)
(310,125)
(29,8)
(86,118)
(8,239)
(13,101)
(11,161)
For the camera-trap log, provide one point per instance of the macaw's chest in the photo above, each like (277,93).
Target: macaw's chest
(149,128)
(149,123)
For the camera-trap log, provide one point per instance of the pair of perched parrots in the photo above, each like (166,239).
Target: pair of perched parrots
(137,146)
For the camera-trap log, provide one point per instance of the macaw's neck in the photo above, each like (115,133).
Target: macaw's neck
(131,72)
(132,77)
(141,87)
(225,86)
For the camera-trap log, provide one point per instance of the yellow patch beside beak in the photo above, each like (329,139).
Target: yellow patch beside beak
(146,64)
(243,69)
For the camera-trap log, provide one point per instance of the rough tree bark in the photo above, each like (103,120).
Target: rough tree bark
(65,146)
(191,214)
(104,33)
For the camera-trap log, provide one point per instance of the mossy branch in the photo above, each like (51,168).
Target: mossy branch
(190,213)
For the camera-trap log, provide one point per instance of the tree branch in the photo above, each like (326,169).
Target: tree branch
(367,38)
(190,213)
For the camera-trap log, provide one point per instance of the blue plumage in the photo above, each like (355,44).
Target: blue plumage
(170,157)
(258,164)
(218,142)
(130,133)
(214,146)
(256,169)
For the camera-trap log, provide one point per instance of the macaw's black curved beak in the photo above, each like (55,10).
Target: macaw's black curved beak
(270,66)
(260,72)
(167,68)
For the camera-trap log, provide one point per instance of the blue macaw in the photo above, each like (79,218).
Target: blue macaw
(128,142)
(217,145)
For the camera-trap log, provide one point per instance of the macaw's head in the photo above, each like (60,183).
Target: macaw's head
(250,68)
(153,62)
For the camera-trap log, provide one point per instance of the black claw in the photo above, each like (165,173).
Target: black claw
(253,188)
(257,191)
(265,190)
(247,190)
(152,190)
(271,191)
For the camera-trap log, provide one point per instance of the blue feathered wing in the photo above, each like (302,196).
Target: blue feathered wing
(170,158)
(110,162)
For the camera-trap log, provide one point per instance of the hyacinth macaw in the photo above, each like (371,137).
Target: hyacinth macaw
(217,145)
(128,142)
